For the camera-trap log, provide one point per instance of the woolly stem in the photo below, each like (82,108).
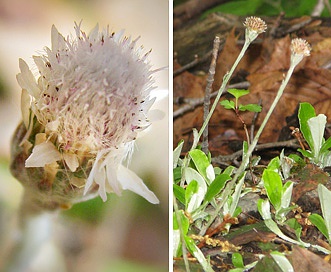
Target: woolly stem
(245,159)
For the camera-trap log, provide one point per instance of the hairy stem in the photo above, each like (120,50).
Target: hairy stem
(36,231)
(227,190)
(226,79)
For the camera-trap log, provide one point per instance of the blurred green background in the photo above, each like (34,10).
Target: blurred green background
(292,8)
(126,233)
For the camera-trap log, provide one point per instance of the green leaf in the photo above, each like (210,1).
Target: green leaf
(179,193)
(245,150)
(185,223)
(282,261)
(177,174)
(326,145)
(236,194)
(274,164)
(263,207)
(318,221)
(306,153)
(217,170)
(250,107)
(274,187)
(275,229)
(229,170)
(287,194)
(196,200)
(255,161)
(191,189)
(196,138)
(196,252)
(237,260)
(281,212)
(216,186)
(325,195)
(238,93)
(201,162)
(237,211)
(176,153)
(299,160)
(325,158)
(306,111)
(286,164)
(229,105)
(293,223)
(317,127)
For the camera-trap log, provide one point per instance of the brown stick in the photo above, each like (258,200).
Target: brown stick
(210,81)
(192,64)
(290,143)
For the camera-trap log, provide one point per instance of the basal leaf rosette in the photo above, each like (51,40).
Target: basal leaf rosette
(81,117)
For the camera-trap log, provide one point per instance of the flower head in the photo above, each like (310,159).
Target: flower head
(254,27)
(300,48)
(86,109)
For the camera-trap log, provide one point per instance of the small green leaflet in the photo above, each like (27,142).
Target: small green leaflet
(250,107)
(238,93)
(227,104)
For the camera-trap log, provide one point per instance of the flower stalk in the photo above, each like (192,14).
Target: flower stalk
(36,232)
(254,27)
(299,49)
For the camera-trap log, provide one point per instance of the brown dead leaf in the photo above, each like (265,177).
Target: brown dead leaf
(304,260)
(187,86)
(307,180)
(276,54)
(253,236)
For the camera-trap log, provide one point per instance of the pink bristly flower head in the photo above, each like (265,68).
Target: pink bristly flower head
(255,24)
(300,48)
(254,27)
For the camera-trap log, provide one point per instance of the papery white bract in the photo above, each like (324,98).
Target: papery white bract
(92,98)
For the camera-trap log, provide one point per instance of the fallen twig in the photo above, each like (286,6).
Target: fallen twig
(193,63)
(226,158)
(210,81)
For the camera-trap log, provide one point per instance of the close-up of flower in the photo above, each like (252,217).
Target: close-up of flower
(85,135)
(81,117)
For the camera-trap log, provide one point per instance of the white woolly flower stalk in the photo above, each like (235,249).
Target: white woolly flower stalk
(81,118)
(253,27)
(300,48)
